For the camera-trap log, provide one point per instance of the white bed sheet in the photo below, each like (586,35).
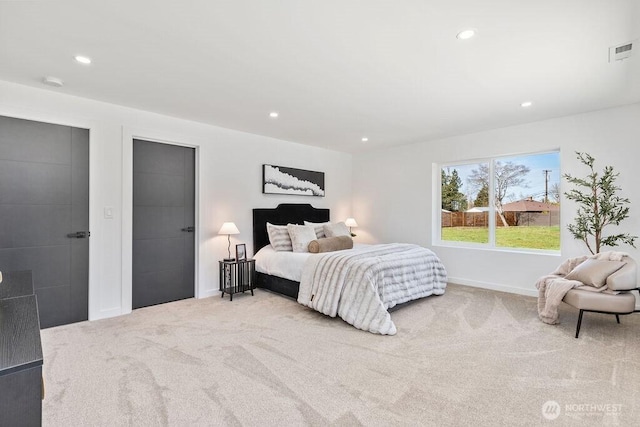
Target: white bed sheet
(287,265)
(282,264)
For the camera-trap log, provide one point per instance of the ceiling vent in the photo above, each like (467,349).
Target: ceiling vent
(53,81)
(620,52)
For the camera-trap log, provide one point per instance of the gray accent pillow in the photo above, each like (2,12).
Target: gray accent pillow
(318,227)
(301,235)
(279,237)
(330,244)
(337,229)
(594,272)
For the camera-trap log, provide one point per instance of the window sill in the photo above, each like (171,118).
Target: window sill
(483,247)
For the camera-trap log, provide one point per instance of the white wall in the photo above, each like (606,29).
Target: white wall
(393,197)
(229,182)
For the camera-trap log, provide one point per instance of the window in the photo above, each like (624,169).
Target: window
(503,202)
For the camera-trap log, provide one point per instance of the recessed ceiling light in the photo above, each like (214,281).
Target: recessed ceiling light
(365,139)
(82,59)
(52,81)
(466,34)
(273,114)
(526,104)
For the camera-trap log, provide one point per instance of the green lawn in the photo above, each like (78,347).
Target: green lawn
(509,237)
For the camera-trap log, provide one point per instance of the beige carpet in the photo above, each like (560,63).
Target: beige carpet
(469,357)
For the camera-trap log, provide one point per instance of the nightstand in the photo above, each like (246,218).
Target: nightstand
(237,276)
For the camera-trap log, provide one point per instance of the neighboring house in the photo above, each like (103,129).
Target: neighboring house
(529,212)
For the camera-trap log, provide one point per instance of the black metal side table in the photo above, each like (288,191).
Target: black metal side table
(237,276)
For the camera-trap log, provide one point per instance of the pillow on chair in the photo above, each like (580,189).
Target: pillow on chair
(594,272)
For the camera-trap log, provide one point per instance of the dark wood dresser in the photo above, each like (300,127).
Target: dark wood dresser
(21,389)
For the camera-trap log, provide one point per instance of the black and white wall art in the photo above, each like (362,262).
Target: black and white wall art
(281,180)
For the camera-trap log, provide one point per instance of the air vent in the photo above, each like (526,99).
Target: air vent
(625,48)
(620,52)
(53,81)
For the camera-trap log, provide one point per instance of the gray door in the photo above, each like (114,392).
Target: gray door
(163,223)
(44,198)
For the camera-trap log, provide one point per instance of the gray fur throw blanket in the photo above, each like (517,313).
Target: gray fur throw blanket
(361,284)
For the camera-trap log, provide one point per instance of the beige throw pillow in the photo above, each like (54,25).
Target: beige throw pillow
(301,235)
(594,272)
(330,244)
(337,229)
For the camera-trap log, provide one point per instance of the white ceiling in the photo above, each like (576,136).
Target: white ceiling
(335,70)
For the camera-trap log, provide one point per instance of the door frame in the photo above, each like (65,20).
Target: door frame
(94,215)
(128,135)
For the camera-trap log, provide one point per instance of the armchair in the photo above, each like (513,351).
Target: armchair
(623,280)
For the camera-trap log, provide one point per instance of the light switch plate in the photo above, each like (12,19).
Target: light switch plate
(108,212)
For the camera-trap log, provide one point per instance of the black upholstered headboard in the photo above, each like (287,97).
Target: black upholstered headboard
(288,213)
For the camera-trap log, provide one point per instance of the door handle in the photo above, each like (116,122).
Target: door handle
(79,235)
(189,229)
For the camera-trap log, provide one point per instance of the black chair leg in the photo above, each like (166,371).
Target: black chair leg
(618,318)
(579,323)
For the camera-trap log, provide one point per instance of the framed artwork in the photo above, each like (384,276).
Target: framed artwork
(241,252)
(283,180)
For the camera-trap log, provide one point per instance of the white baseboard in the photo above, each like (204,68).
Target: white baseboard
(503,288)
(118,311)
(208,293)
(107,313)
(493,286)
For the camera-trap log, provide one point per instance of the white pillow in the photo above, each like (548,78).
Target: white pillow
(319,228)
(301,235)
(335,230)
(279,237)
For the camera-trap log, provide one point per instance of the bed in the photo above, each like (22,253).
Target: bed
(360,285)
(282,215)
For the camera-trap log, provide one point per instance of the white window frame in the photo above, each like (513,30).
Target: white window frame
(491,244)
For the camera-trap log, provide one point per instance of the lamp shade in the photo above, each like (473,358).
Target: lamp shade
(350,222)
(229,228)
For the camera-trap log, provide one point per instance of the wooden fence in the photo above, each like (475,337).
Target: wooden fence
(481,219)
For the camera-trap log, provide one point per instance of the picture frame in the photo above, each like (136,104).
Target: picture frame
(241,252)
(292,181)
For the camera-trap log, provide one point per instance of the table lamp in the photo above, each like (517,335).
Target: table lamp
(350,222)
(229,228)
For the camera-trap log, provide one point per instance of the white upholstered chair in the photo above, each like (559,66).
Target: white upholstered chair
(623,280)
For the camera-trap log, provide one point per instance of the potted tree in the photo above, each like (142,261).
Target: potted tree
(598,207)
